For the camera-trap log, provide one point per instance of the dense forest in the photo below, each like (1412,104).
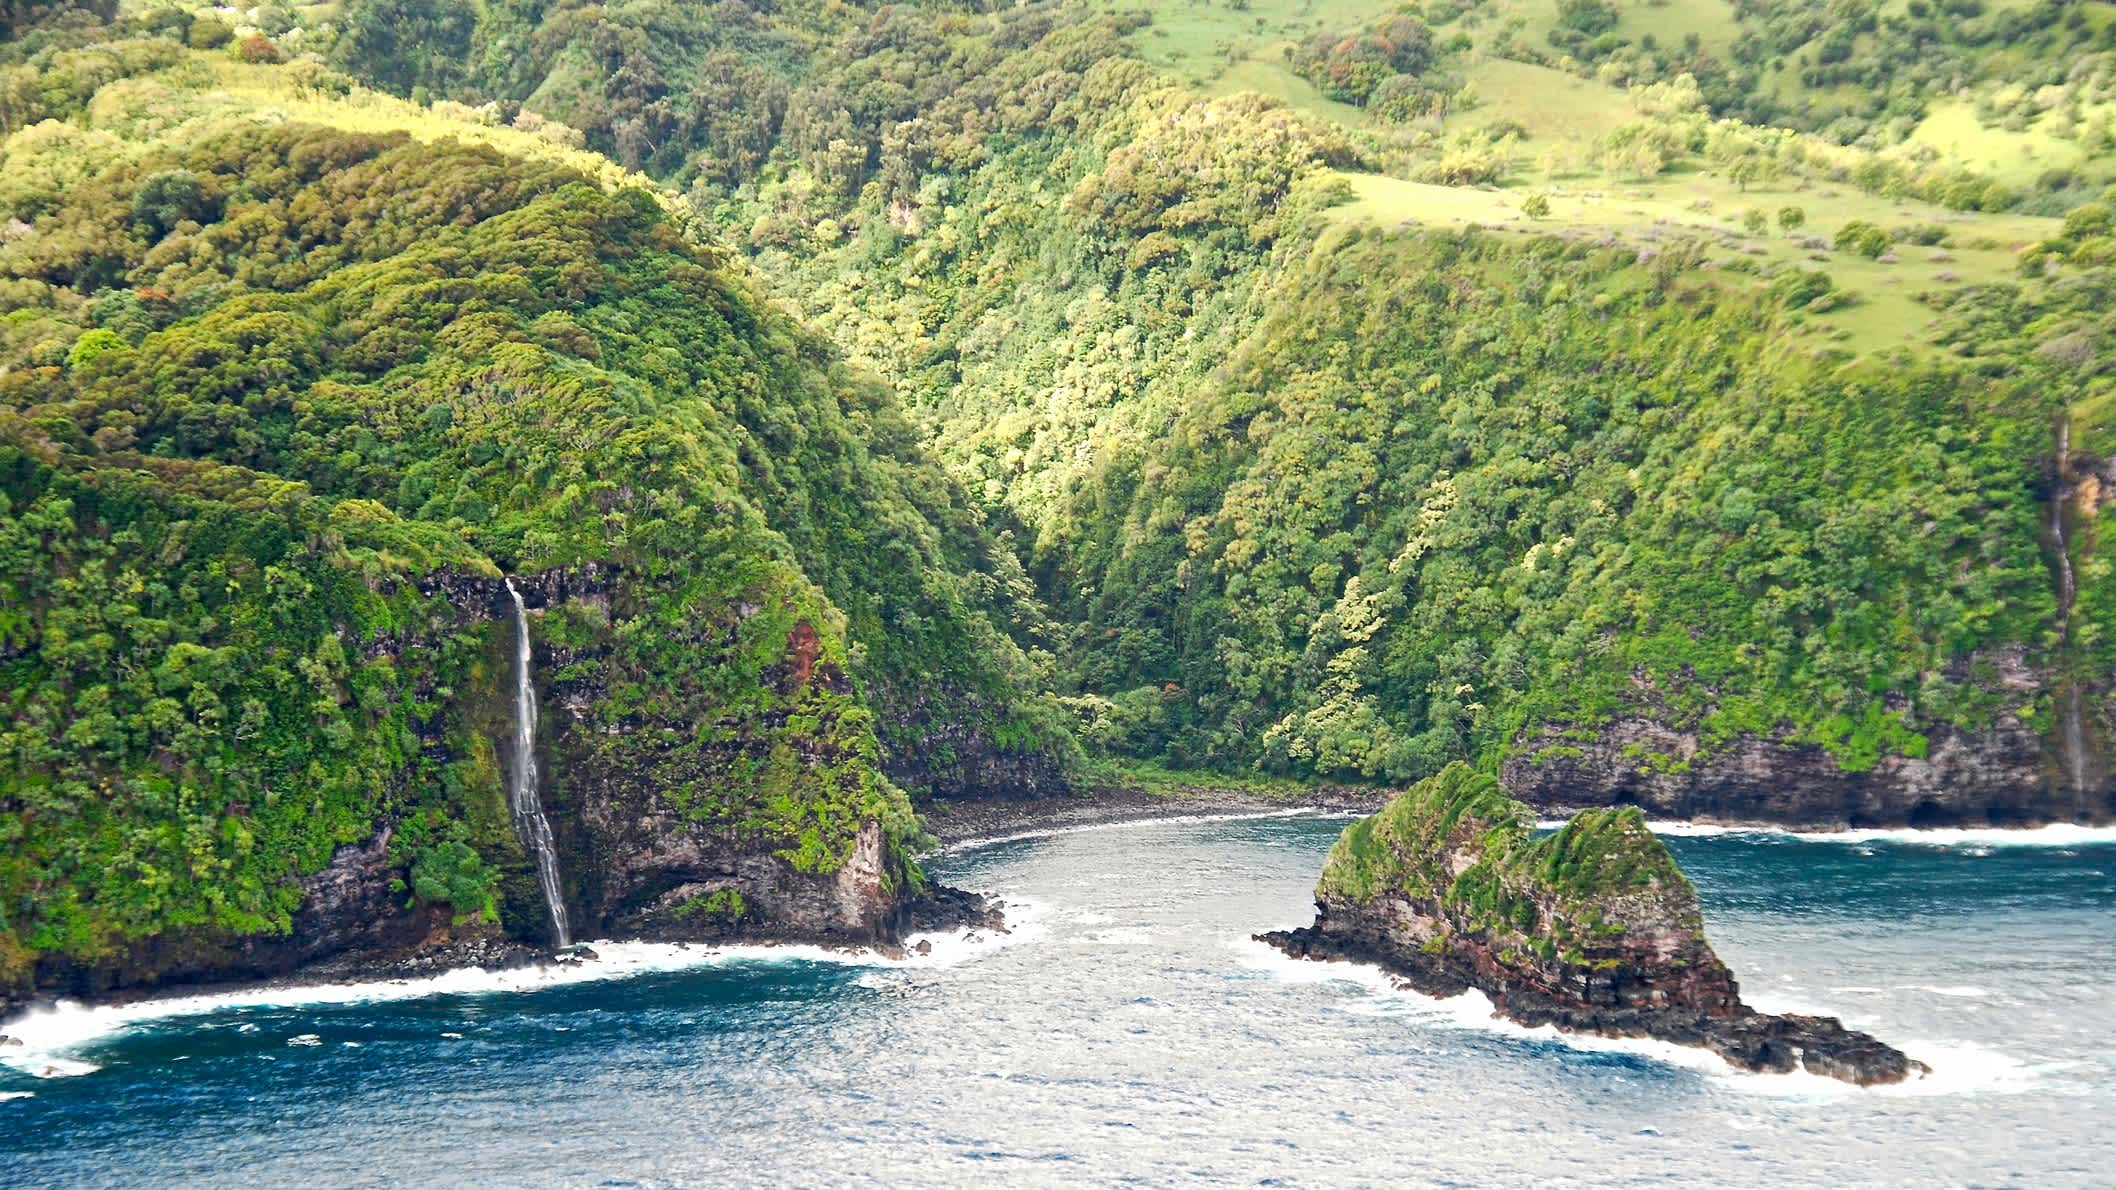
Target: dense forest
(888,405)
(270,389)
(1350,504)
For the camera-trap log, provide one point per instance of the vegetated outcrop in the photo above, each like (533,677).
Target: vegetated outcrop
(2036,757)
(1592,928)
(823,859)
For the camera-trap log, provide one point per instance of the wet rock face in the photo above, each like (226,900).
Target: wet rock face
(654,876)
(1996,778)
(1592,929)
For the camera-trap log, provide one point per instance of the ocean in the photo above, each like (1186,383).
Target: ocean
(1127,1031)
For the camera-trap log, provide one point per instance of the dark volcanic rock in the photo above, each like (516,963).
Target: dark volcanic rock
(352,924)
(2006,776)
(1994,779)
(652,875)
(943,908)
(1592,929)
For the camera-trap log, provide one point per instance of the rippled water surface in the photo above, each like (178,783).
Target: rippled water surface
(1128,1032)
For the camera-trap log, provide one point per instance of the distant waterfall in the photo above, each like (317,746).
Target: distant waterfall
(2071,726)
(529,820)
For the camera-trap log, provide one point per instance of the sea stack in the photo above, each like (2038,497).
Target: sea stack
(1591,928)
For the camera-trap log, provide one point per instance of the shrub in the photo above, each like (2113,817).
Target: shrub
(258,49)
(1864,238)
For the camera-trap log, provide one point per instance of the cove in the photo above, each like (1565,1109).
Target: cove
(1130,1030)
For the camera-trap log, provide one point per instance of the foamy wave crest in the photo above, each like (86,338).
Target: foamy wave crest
(1265,959)
(1026,920)
(2055,835)
(1958,1068)
(49,1035)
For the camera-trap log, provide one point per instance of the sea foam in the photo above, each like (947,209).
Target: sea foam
(50,1035)
(1957,1067)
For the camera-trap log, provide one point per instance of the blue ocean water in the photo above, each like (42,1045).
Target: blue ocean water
(1129,1033)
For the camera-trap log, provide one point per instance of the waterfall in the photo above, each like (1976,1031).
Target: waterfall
(529,820)
(2071,727)
(2066,591)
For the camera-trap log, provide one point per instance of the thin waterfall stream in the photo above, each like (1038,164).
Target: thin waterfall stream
(522,793)
(2070,711)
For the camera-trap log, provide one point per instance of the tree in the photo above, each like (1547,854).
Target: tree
(1755,221)
(257,49)
(1536,206)
(168,198)
(1790,218)
(1750,168)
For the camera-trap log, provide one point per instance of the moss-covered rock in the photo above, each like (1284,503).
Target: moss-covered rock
(1591,927)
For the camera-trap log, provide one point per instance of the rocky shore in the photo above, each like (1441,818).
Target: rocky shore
(939,909)
(1591,929)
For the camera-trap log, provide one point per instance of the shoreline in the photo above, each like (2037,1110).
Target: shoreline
(960,823)
(992,820)
(956,827)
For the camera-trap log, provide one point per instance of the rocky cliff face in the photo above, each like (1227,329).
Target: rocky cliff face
(2011,775)
(352,906)
(1996,778)
(767,818)
(1591,929)
(951,760)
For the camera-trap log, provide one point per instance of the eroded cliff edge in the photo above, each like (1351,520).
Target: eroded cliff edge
(1591,928)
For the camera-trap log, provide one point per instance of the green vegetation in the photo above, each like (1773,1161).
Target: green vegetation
(1182,784)
(268,391)
(1505,369)
(1457,842)
(723,907)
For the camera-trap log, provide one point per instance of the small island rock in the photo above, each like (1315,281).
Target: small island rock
(1591,928)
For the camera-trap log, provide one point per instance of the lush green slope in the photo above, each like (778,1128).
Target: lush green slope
(1452,488)
(1291,466)
(1356,504)
(279,403)
(1347,503)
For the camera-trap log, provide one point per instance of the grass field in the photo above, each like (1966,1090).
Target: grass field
(1953,130)
(1551,104)
(1882,312)
(1222,48)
